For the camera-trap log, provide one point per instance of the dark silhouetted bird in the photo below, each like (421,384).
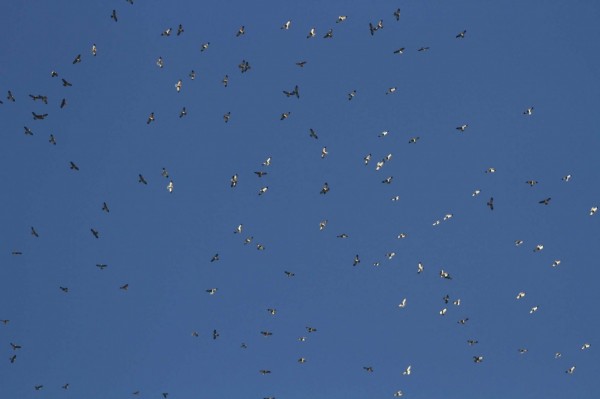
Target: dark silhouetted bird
(105,207)
(38,116)
(114,15)
(72,166)
(461,35)
(141,179)
(65,83)
(490,203)
(545,201)
(77,59)
(95,233)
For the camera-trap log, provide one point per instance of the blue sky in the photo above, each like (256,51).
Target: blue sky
(109,342)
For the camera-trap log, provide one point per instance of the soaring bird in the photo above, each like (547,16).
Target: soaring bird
(490,203)
(351,95)
(528,111)
(400,50)
(225,80)
(285,115)
(313,134)
(39,116)
(286,25)
(114,15)
(34,233)
(65,83)
(368,369)
(462,128)
(94,49)
(397,14)
(212,291)
(227,116)
(325,189)
(215,258)
(183,112)
(356,260)
(159,62)
(461,35)
(478,359)
(240,31)
(101,266)
(192,74)
(407,371)
(289,274)
(72,166)
(234,180)
(531,182)
(180,30)
(150,118)
(141,179)
(570,370)
(77,59)
(10,97)
(341,18)
(28,131)
(95,233)
(301,63)
(167,32)
(63,103)
(329,34)
(545,201)
(311,33)
(215,334)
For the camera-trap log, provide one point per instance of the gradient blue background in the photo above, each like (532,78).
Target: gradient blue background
(108,343)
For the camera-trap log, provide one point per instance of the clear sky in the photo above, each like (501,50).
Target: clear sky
(109,342)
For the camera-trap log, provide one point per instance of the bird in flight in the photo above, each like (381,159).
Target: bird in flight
(286,25)
(240,31)
(95,233)
(180,30)
(77,59)
(291,93)
(39,116)
(399,51)
(545,201)
(528,111)
(34,233)
(150,118)
(490,203)
(397,14)
(65,83)
(72,166)
(329,34)
(141,179)
(114,15)
(461,35)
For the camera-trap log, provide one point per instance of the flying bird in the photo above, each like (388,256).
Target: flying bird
(329,34)
(34,233)
(545,201)
(311,33)
(461,35)
(65,83)
(397,14)
(95,233)
(114,15)
(72,166)
(490,203)
(286,25)
(240,31)
(180,30)
(39,116)
(77,59)
(141,179)
(528,111)
(150,118)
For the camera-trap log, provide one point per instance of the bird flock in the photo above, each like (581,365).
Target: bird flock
(317,219)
